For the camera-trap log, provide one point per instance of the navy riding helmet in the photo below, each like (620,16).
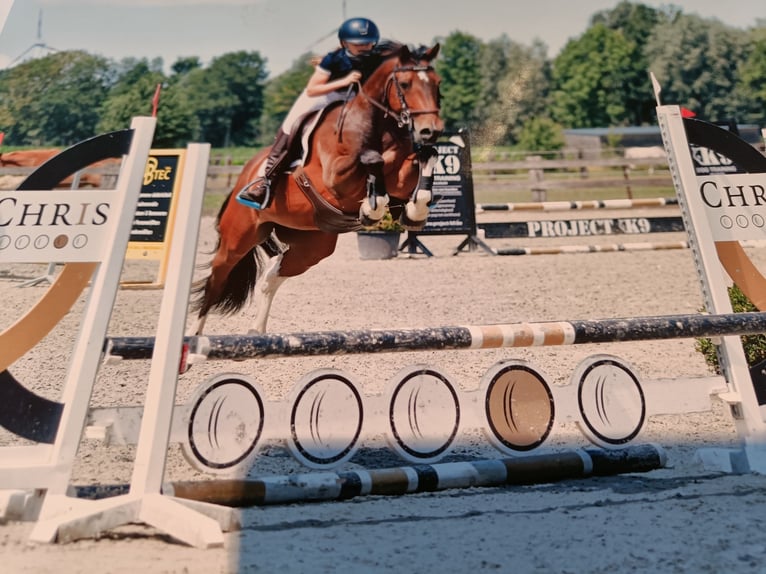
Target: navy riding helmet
(359,31)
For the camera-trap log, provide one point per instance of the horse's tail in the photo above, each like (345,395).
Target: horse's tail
(237,288)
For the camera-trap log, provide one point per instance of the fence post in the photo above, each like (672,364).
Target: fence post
(626,177)
(536,176)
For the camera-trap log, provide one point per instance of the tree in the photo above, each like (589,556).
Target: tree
(635,22)
(280,94)
(459,65)
(696,60)
(751,85)
(589,78)
(132,95)
(53,100)
(515,88)
(541,134)
(227,98)
(183,66)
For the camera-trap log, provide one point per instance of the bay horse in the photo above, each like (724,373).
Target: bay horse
(36,157)
(372,148)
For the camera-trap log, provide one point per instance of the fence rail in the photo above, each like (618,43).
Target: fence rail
(491,175)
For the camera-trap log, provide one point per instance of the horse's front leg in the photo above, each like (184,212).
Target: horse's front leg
(375,204)
(415,212)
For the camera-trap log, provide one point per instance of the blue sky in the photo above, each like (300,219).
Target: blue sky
(282,30)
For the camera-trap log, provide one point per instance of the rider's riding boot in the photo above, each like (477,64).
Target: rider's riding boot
(257,193)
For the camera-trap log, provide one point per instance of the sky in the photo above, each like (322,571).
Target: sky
(282,30)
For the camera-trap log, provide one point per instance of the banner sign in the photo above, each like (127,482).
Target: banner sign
(454,208)
(155,213)
(73,227)
(153,221)
(582,227)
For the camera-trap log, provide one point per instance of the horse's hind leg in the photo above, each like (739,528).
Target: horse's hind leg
(305,249)
(265,290)
(234,269)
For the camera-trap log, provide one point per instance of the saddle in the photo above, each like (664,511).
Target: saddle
(299,141)
(327,217)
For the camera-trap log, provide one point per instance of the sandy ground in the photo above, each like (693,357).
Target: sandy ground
(683,518)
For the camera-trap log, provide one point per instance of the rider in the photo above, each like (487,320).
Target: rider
(352,63)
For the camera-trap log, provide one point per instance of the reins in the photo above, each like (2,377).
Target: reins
(404,116)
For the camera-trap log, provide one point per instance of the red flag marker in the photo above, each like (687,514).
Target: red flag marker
(156,100)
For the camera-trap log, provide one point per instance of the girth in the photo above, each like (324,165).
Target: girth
(327,217)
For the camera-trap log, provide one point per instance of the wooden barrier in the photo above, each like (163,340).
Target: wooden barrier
(327,486)
(238,347)
(578,205)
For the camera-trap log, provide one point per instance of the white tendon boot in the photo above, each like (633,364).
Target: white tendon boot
(370,216)
(265,290)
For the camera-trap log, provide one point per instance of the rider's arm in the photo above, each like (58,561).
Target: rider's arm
(319,83)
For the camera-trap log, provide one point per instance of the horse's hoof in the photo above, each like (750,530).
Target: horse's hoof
(409,224)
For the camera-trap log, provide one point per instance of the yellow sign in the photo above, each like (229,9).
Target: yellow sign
(155,213)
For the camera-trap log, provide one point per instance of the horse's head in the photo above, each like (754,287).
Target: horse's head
(411,92)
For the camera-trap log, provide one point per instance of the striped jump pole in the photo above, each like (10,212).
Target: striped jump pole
(327,486)
(578,205)
(238,347)
(605,248)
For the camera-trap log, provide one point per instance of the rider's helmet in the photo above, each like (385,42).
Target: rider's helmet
(359,31)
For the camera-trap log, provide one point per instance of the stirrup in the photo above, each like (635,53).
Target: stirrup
(245,198)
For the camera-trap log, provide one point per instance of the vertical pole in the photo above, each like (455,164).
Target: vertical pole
(154,436)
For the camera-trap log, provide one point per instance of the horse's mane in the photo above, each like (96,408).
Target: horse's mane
(386,49)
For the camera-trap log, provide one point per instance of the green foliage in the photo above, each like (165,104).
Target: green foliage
(227,98)
(695,61)
(515,84)
(752,79)
(386,223)
(588,78)
(132,96)
(459,66)
(635,22)
(54,100)
(280,93)
(753,345)
(504,92)
(541,134)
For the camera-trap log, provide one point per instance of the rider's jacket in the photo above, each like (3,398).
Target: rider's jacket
(340,63)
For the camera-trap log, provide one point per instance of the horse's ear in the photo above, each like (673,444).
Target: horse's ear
(404,53)
(431,53)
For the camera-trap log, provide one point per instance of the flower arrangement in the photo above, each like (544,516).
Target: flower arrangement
(386,223)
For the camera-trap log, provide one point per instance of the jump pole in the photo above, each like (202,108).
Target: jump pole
(329,486)
(606,248)
(578,205)
(237,347)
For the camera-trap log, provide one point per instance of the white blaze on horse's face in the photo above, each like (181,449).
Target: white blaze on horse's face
(423,77)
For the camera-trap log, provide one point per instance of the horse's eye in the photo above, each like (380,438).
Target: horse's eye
(405,85)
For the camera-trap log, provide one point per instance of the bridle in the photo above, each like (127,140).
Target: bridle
(404,116)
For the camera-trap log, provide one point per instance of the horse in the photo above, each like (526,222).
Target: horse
(374,148)
(36,157)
